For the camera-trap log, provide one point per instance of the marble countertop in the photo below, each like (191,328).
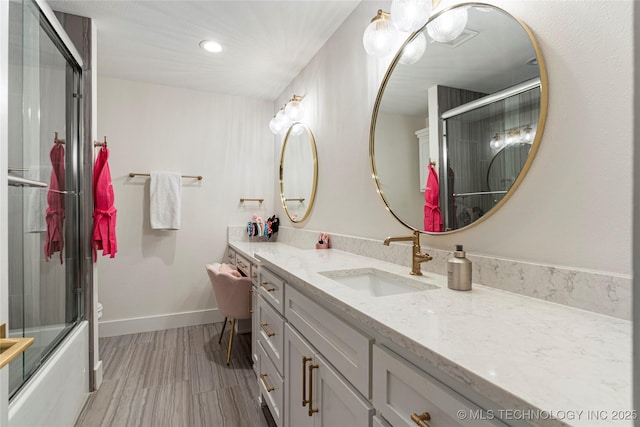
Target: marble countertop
(517,351)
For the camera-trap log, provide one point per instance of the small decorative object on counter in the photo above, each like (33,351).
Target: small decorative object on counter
(257,227)
(323,241)
(459,271)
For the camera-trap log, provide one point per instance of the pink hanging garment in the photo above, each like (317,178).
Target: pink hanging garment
(104,214)
(432,216)
(55,204)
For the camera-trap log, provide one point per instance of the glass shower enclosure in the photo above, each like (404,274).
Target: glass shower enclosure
(484,150)
(45,292)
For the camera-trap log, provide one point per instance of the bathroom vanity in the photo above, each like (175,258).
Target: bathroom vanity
(329,352)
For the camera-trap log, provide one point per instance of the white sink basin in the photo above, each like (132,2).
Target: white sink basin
(376,282)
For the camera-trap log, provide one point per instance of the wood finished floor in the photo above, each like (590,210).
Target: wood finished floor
(177,377)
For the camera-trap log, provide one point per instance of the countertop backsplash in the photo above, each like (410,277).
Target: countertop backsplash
(599,292)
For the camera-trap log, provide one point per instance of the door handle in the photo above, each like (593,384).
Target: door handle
(266,330)
(304,379)
(312,410)
(17,181)
(421,420)
(10,348)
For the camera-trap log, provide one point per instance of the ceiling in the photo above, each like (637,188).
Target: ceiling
(265,43)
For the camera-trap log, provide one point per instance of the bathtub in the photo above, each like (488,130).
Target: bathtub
(56,393)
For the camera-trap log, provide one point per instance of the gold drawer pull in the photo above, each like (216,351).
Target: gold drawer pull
(266,330)
(241,264)
(312,410)
(267,288)
(254,275)
(251,299)
(304,379)
(263,377)
(421,420)
(230,256)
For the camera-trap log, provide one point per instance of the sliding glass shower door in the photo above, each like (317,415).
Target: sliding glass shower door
(43,200)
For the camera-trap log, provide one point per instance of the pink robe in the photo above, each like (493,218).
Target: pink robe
(55,204)
(432,215)
(104,214)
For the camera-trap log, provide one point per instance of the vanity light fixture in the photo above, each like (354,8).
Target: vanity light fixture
(288,114)
(523,134)
(386,30)
(211,46)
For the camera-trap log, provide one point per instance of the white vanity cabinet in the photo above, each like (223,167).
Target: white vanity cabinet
(316,395)
(403,393)
(322,362)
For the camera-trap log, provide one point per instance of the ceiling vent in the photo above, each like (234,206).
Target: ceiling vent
(464,37)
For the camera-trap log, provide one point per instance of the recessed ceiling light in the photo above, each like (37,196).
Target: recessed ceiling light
(211,46)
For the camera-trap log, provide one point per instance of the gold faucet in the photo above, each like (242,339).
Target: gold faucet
(417,257)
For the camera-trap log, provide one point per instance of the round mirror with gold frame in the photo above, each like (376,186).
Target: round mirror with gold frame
(442,121)
(298,172)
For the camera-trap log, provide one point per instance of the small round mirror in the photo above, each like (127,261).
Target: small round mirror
(298,172)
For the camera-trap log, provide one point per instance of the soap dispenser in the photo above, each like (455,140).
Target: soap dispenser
(459,271)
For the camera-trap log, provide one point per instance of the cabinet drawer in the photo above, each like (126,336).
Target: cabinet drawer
(270,332)
(254,273)
(271,386)
(379,422)
(343,346)
(272,288)
(243,265)
(231,256)
(401,389)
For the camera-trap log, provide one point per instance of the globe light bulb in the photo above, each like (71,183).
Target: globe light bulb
(410,15)
(297,129)
(449,25)
(414,50)
(294,110)
(381,36)
(496,142)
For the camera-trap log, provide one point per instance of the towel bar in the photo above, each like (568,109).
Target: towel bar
(132,174)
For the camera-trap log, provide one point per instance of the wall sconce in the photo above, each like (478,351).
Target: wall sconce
(289,113)
(386,30)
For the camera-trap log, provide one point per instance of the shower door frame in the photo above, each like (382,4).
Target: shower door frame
(84,287)
(4,193)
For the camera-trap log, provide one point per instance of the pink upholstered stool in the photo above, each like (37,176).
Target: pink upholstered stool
(233,295)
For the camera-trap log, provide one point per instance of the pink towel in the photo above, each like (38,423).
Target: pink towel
(432,215)
(55,200)
(104,213)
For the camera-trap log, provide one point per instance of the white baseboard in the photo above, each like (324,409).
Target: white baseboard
(112,328)
(97,375)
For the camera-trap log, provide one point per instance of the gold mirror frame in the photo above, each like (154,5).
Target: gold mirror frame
(312,197)
(534,145)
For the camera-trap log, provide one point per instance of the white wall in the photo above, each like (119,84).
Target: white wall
(574,206)
(225,139)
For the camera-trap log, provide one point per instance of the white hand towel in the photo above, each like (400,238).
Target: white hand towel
(166,194)
(35,200)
